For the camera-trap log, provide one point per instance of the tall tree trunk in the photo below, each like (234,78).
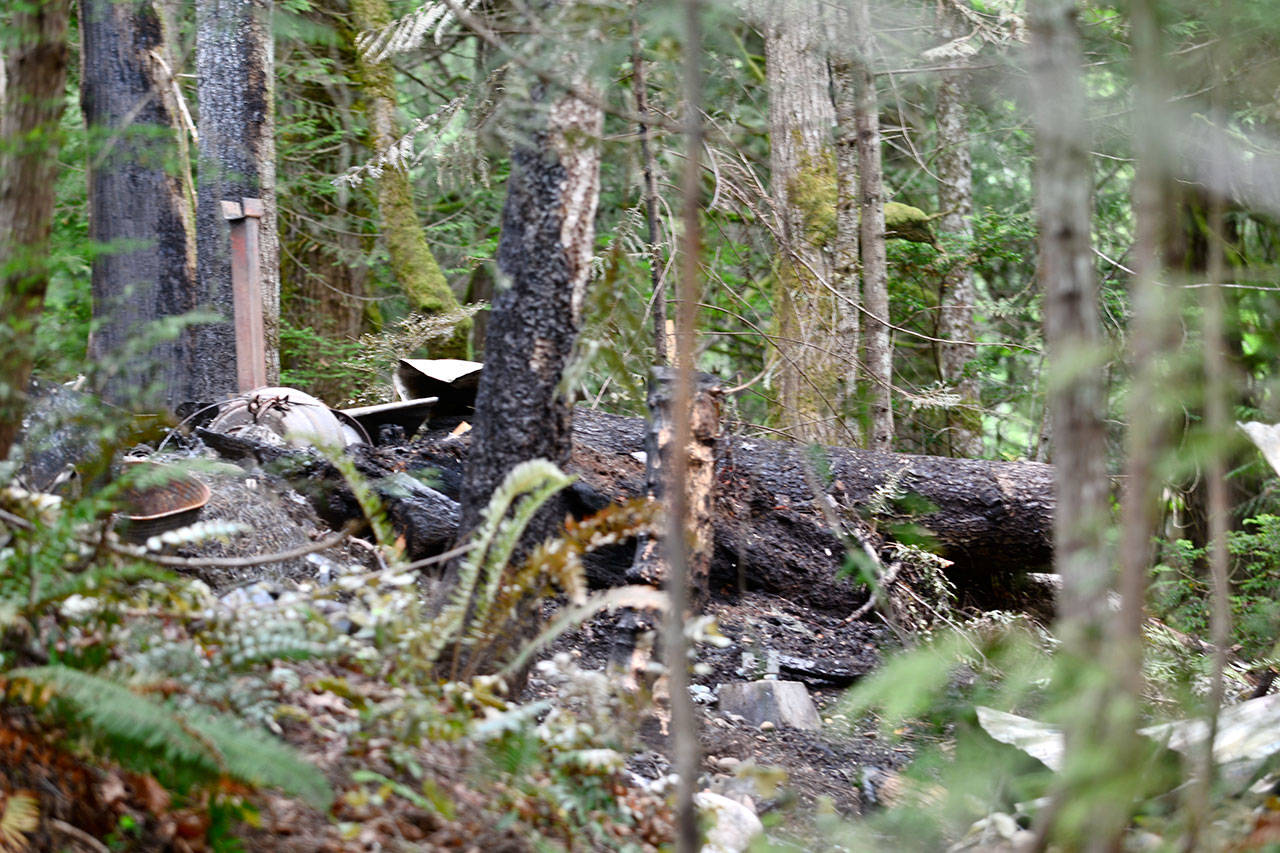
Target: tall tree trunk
(803,185)
(954,168)
(35,73)
(1151,335)
(544,257)
(140,205)
(235,67)
(412,263)
(649,168)
(844,265)
(324,273)
(1069,283)
(875,271)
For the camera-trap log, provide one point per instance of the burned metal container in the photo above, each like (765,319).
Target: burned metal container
(166,498)
(287,416)
(452,380)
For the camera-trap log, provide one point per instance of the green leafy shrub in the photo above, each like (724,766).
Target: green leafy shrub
(1180,593)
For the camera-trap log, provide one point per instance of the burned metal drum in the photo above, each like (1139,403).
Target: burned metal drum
(287,416)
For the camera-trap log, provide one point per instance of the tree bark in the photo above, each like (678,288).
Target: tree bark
(412,263)
(235,66)
(803,186)
(1073,338)
(954,168)
(650,565)
(544,255)
(140,206)
(875,272)
(993,519)
(845,261)
(35,72)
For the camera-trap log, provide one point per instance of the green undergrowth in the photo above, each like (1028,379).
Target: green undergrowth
(141,668)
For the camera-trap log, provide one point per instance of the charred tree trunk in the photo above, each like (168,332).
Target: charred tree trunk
(875,272)
(993,519)
(543,261)
(234,62)
(139,205)
(35,72)
(954,167)
(650,565)
(803,186)
(412,263)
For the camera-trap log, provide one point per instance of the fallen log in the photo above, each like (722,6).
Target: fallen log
(993,520)
(426,518)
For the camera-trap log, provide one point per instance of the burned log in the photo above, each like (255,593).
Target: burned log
(992,519)
(426,518)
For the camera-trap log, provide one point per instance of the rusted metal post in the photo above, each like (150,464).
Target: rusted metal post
(246,289)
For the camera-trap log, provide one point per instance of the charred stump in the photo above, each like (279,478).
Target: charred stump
(543,258)
(650,565)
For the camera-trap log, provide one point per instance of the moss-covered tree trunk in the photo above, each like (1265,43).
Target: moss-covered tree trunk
(412,263)
(35,71)
(954,168)
(140,205)
(803,185)
(324,271)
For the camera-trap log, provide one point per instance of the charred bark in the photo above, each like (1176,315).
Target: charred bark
(140,206)
(993,519)
(234,62)
(543,257)
(425,517)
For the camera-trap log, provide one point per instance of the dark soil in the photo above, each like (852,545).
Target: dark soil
(780,769)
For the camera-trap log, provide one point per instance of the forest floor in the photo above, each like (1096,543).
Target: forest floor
(787,775)
(424,793)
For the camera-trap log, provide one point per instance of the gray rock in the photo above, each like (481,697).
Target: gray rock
(784,703)
(732,824)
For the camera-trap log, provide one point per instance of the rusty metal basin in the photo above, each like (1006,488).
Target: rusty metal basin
(174,501)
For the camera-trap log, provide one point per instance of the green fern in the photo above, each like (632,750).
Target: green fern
(181,749)
(493,543)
